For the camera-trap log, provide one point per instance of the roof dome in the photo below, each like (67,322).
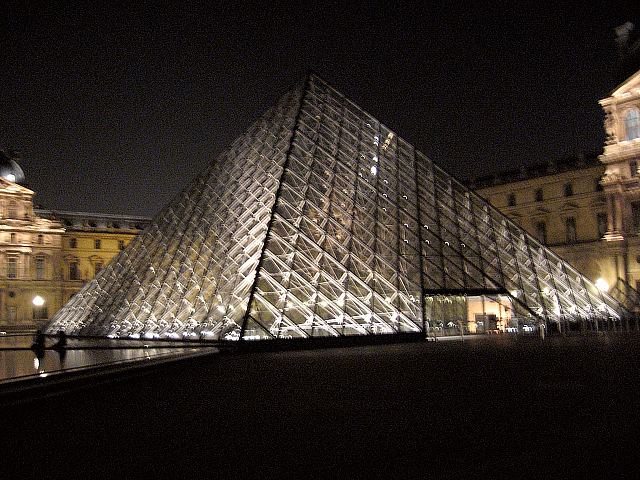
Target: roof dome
(9,168)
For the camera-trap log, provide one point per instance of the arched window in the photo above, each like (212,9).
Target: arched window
(632,124)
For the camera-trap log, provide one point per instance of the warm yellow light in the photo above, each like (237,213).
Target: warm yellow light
(602,284)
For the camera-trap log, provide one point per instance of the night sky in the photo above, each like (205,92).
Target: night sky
(116,109)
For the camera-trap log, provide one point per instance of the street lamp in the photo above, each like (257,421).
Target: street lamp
(38,301)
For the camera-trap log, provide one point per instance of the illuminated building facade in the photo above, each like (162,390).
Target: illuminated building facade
(586,209)
(320,221)
(47,256)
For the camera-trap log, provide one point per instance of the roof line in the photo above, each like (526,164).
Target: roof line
(91,214)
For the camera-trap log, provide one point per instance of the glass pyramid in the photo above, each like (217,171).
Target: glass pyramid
(320,221)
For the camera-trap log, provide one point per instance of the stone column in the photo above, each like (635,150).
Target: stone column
(619,224)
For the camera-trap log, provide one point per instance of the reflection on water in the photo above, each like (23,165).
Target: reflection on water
(18,360)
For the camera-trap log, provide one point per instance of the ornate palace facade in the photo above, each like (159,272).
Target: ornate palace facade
(46,256)
(587,209)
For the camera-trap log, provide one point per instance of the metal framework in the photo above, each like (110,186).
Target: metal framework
(320,221)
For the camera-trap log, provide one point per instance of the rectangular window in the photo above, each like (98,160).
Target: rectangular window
(12,267)
(74,272)
(539,195)
(602,224)
(570,228)
(120,244)
(633,168)
(39,268)
(511,201)
(541,232)
(12,311)
(73,243)
(568,190)
(632,124)
(97,244)
(635,213)
(40,313)
(98,266)
(598,185)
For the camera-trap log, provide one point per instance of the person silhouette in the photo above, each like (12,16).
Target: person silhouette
(62,341)
(38,341)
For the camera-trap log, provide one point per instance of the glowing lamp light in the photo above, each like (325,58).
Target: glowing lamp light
(11,177)
(38,301)
(602,285)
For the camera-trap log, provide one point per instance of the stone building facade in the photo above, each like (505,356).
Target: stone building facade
(587,209)
(46,256)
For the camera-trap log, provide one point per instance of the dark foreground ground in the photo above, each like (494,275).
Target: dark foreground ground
(488,408)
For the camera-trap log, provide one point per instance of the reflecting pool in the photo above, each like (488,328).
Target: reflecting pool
(17,360)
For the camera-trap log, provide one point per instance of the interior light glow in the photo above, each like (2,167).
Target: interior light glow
(602,285)
(38,301)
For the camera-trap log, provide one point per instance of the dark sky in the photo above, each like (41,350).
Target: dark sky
(116,109)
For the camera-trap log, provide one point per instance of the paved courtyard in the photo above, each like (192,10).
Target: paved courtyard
(494,407)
